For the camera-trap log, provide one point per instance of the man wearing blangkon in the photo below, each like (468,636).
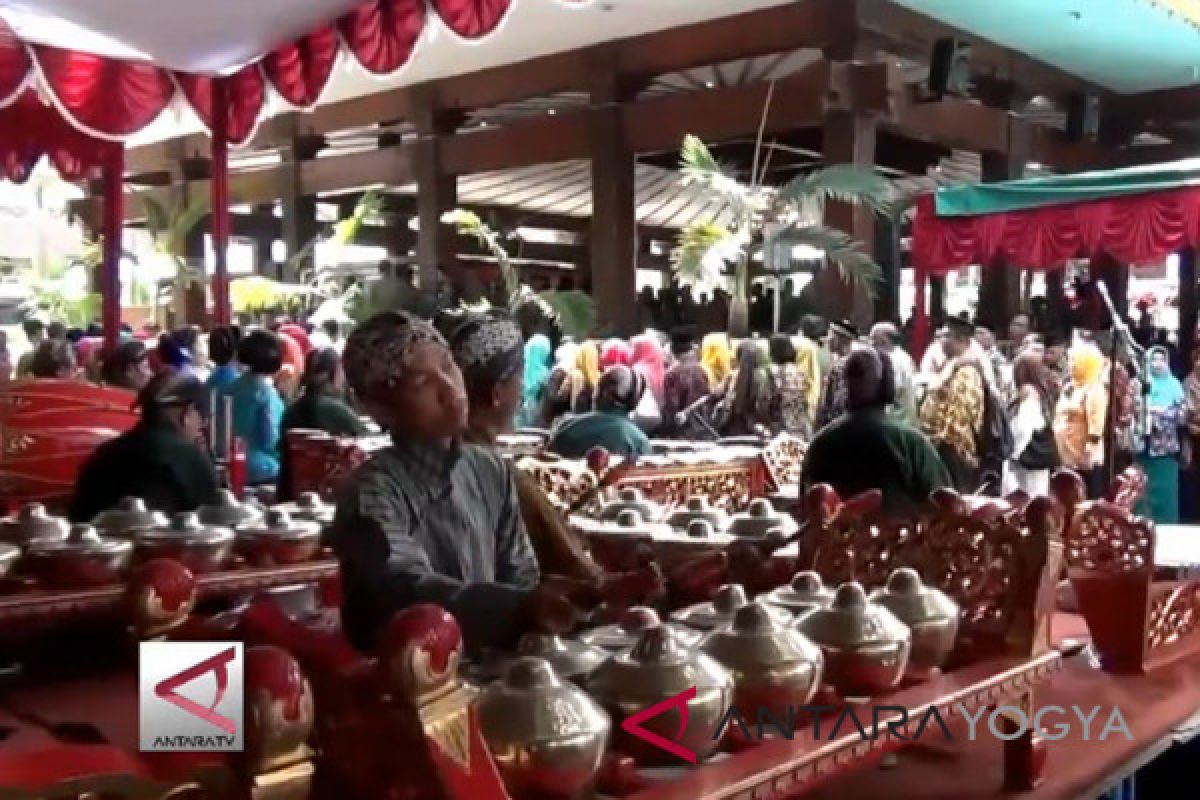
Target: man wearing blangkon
(431,519)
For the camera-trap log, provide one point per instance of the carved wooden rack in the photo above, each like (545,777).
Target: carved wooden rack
(999,566)
(29,605)
(1137,623)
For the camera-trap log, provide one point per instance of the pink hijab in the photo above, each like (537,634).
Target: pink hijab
(299,336)
(616,352)
(650,360)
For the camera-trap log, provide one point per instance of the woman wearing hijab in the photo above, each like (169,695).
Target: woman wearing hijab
(616,352)
(1080,417)
(738,407)
(298,335)
(291,365)
(488,350)
(716,356)
(556,400)
(1165,415)
(1031,415)
(322,404)
(785,400)
(585,378)
(609,426)
(1190,497)
(537,372)
(128,367)
(650,360)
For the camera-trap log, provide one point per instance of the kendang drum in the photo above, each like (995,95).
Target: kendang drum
(49,429)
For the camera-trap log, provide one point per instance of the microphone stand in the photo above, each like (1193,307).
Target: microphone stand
(1120,336)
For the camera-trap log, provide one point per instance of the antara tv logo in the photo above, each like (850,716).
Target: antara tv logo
(896,722)
(191,696)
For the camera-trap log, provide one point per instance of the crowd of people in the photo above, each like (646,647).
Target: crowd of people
(999,413)
(440,517)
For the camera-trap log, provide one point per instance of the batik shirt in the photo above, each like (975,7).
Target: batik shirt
(424,524)
(685,384)
(785,401)
(833,399)
(952,414)
(1162,438)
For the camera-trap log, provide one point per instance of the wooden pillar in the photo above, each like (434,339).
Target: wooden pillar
(1187,305)
(1056,301)
(264,241)
(1000,281)
(612,272)
(114,215)
(891,262)
(849,138)
(937,300)
(222,313)
(437,193)
(299,211)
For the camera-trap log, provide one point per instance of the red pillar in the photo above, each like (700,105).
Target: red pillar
(220,200)
(114,215)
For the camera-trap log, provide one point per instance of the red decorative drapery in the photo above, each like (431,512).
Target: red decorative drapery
(472,18)
(31,130)
(16,66)
(383,34)
(1134,229)
(247,93)
(112,99)
(104,96)
(300,70)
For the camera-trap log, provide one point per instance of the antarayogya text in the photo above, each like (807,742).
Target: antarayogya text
(897,722)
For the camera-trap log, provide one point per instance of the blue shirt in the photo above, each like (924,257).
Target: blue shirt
(223,377)
(257,417)
(219,383)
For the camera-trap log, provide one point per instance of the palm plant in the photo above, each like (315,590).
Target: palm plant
(572,310)
(59,292)
(769,223)
(170,229)
(258,293)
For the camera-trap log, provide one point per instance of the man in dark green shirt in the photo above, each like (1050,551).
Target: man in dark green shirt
(866,449)
(158,460)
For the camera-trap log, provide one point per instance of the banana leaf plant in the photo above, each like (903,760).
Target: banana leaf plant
(768,223)
(573,310)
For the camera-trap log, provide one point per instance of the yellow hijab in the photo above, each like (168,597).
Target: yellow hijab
(809,360)
(1087,365)
(588,363)
(716,356)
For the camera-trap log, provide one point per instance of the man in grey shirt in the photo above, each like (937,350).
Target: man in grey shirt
(431,519)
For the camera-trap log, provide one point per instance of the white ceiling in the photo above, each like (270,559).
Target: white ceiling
(218,35)
(206,37)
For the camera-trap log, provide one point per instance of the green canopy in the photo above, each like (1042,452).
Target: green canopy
(1019,195)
